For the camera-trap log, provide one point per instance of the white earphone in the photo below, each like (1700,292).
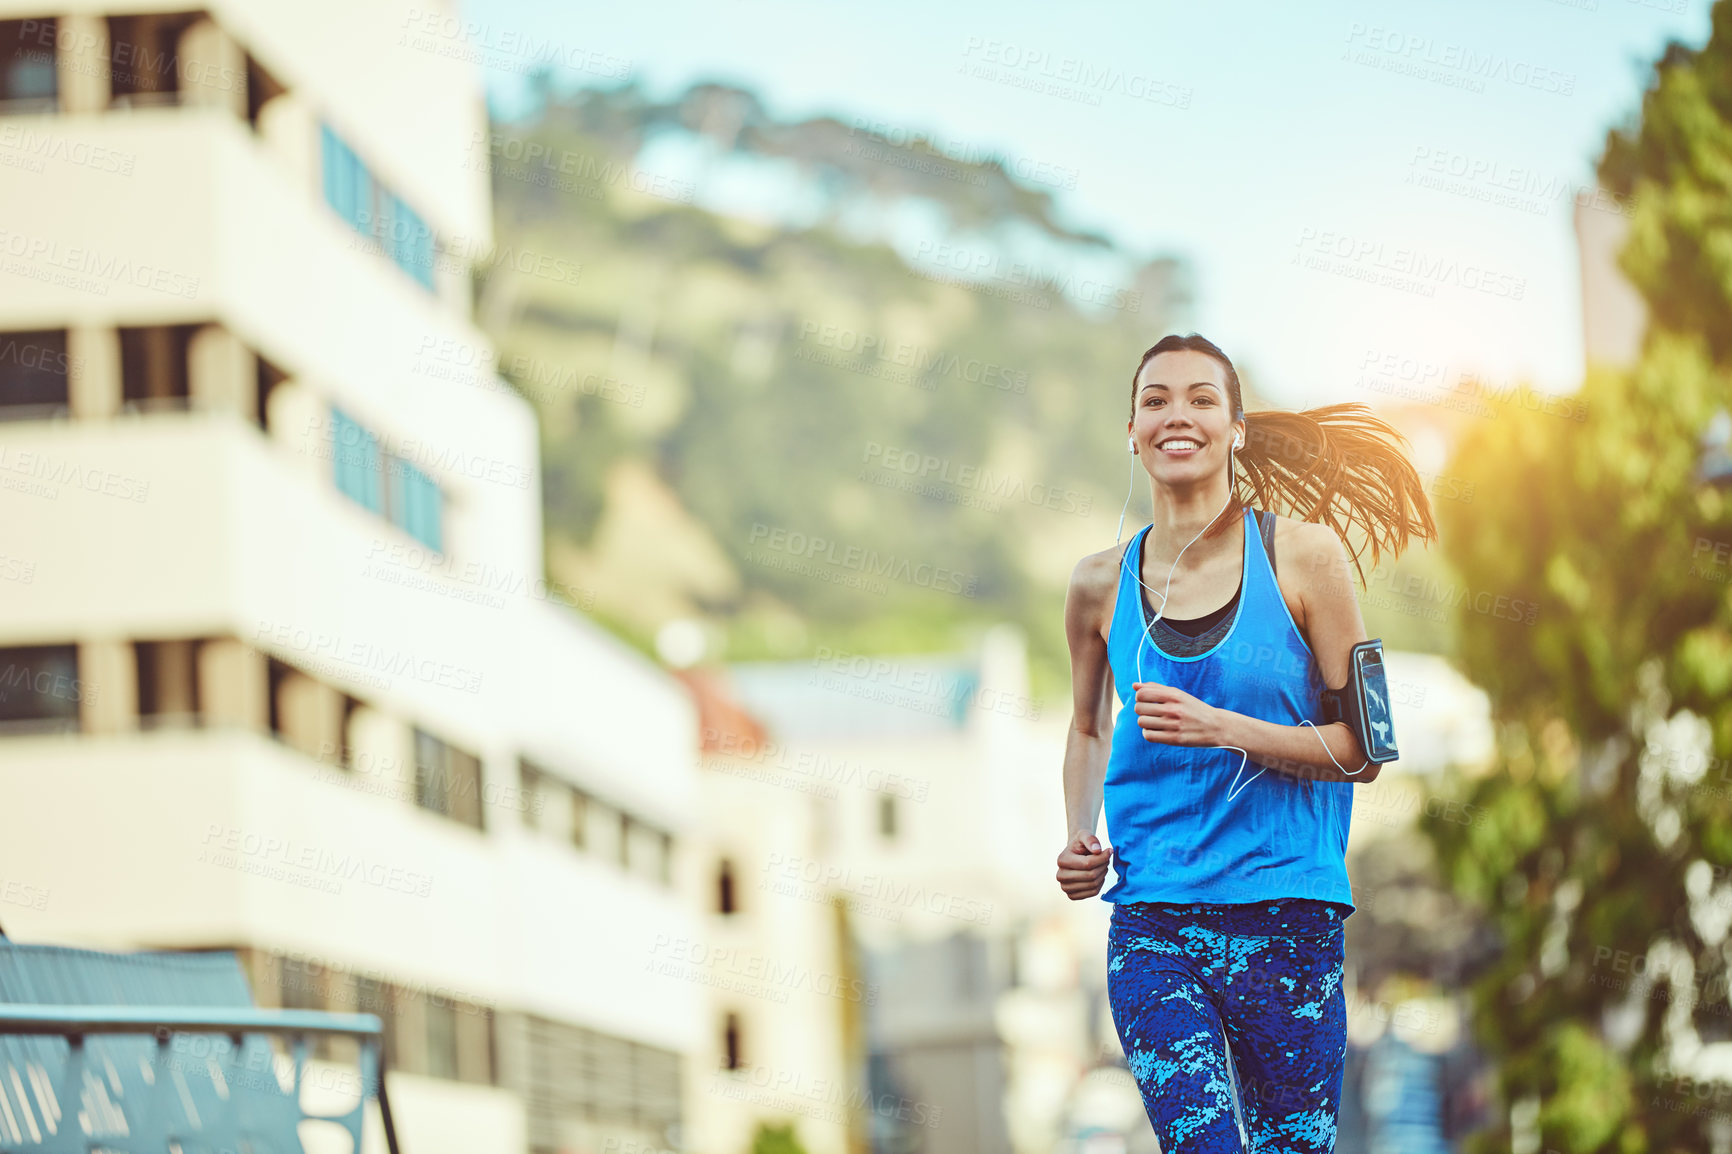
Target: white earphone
(1148,629)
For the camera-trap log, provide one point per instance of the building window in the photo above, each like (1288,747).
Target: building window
(29,73)
(887,815)
(374,210)
(269,377)
(645,850)
(413,499)
(373,996)
(570,1078)
(158,371)
(308,985)
(424,1033)
(592,826)
(385,483)
(39,689)
(309,715)
(476,1057)
(601,824)
(355,456)
(441,1038)
(346,184)
(529,781)
(447,780)
(579,819)
(167,683)
(351,709)
(33,374)
(300,984)
(262,88)
(732,1055)
(144,58)
(725,901)
(153,367)
(404,235)
(277,674)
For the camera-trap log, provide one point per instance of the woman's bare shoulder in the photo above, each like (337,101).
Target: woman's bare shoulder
(1309,553)
(1305,541)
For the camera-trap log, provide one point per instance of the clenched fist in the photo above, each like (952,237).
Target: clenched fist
(1082,866)
(1171,716)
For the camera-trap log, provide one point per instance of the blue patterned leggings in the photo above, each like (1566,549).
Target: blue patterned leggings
(1268,974)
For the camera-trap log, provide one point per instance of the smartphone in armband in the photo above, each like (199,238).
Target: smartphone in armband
(1363,703)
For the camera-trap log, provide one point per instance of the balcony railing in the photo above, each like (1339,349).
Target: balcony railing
(151,1078)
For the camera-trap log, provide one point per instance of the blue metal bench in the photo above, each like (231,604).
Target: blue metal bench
(159,1053)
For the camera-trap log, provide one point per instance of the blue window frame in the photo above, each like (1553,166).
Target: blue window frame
(414,253)
(385,483)
(374,210)
(29,76)
(355,451)
(416,504)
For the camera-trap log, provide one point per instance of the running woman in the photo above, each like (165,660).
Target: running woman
(1228,798)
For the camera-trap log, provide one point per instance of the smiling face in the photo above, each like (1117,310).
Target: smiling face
(1183,425)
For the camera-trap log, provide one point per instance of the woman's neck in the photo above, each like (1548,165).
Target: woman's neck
(1181,515)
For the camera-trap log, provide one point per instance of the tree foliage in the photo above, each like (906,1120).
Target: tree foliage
(1604,854)
(773,1139)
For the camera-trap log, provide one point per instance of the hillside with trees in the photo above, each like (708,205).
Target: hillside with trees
(808,430)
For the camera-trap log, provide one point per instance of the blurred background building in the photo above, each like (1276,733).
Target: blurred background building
(781,1036)
(932,777)
(286,677)
(1613,314)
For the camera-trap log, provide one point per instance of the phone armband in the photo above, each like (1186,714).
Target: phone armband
(1363,703)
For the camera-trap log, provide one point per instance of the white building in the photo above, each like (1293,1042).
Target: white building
(1614,316)
(941,820)
(784,1040)
(278,671)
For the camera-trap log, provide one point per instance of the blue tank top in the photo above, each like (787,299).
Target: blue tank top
(1175,837)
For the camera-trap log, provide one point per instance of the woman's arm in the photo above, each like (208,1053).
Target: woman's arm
(1332,626)
(1082,864)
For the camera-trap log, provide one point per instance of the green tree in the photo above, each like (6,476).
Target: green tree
(1604,849)
(776,1140)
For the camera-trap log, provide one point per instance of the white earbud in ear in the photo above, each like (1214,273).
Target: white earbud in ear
(1238,442)
(1132,442)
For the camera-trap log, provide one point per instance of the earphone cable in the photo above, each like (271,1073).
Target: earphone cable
(1147,632)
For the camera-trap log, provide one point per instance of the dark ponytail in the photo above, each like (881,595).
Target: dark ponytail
(1338,465)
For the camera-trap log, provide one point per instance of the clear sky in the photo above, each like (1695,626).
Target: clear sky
(1350,179)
